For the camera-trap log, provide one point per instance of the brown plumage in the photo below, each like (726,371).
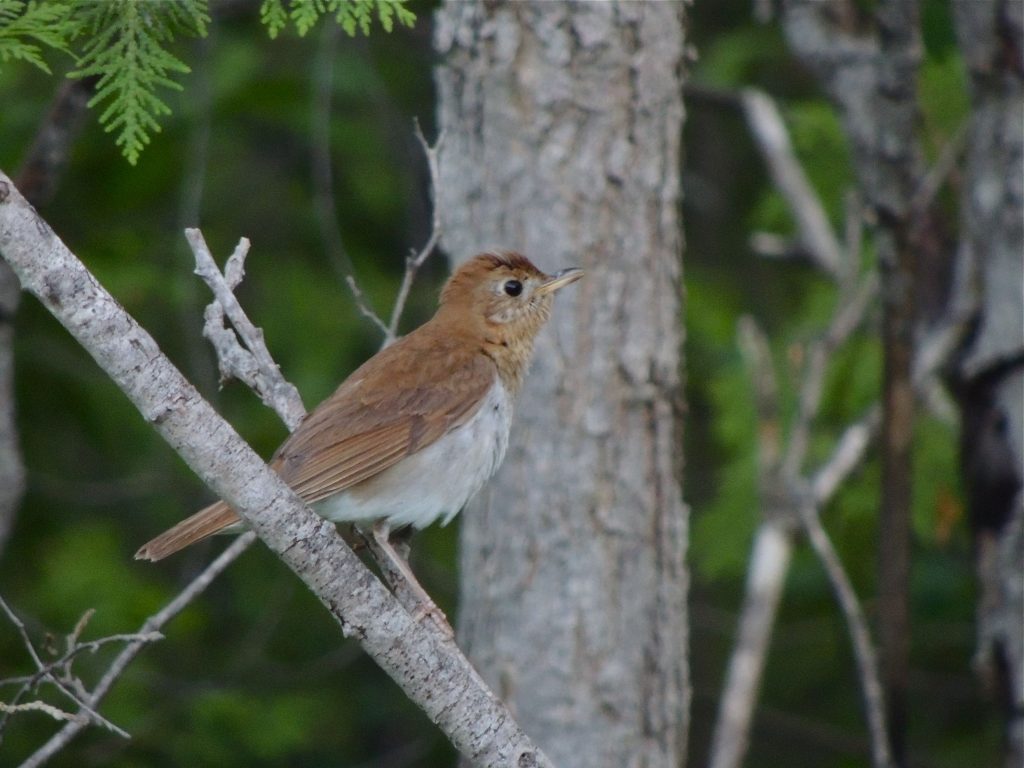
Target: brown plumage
(362,455)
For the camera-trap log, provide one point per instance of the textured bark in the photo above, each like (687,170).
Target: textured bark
(562,130)
(991,374)
(428,667)
(869,71)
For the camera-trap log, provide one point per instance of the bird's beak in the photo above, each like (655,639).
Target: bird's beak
(560,279)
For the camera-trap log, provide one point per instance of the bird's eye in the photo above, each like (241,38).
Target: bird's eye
(513,287)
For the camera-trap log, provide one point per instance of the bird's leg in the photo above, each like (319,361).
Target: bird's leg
(402,580)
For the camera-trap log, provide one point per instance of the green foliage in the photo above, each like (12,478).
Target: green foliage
(127,50)
(352,15)
(125,44)
(28,27)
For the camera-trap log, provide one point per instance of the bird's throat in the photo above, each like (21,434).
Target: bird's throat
(511,357)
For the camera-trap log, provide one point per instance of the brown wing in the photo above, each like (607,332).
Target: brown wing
(399,402)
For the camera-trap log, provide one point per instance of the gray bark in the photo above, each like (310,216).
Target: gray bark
(12,470)
(991,374)
(562,130)
(428,667)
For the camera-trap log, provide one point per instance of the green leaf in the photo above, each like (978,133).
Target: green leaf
(127,51)
(28,27)
(273,16)
(352,15)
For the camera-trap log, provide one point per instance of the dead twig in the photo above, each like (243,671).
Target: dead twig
(416,259)
(241,353)
(150,627)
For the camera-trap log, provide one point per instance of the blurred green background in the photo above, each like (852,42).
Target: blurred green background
(255,673)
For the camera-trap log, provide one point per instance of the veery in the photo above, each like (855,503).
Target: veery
(418,429)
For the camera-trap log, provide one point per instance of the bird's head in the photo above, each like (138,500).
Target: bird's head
(502,301)
(505,292)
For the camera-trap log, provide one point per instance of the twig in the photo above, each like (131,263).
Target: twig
(848,454)
(38,706)
(860,635)
(150,626)
(251,363)
(415,260)
(770,557)
(781,488)
(769,131)
(45,672)
(321,165)
(849,314)
(364,307)
(932,353)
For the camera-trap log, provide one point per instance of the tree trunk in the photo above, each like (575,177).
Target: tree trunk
(991,374)
(562,127)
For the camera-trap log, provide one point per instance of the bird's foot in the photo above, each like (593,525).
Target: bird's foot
(436,615)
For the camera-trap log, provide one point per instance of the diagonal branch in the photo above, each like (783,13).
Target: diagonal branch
(430,669)
(769,131)
(45,672)
(151,625)
(860,634)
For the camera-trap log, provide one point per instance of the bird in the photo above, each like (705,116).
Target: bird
(418,429)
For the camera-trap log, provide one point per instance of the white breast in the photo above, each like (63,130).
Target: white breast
(436,482)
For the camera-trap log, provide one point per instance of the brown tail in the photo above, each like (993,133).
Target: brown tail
(203,523)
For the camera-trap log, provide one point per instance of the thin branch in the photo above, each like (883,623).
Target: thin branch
(321,171)
(851,448)
(769,131)
(860,635)
(150,626)
(849,314)
(848,454)
(38,706)
(780,487)
(415,260)
(770,557)
(45,672)
(249,361)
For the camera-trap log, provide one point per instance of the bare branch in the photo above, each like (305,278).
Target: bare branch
(769,562)
(770,558)
(429,668)
(321,171)
(46,672)
(812,222)
(364,307)
(781,488)
(860,635)
(38,706)
(245,355)
(415,260)
(849,314)
(150,627)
